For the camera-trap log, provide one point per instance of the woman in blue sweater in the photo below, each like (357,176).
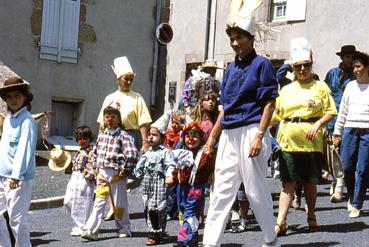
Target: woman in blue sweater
(248,95)
(17,160)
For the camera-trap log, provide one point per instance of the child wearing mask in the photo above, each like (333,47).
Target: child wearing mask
(154,166)
(116,156)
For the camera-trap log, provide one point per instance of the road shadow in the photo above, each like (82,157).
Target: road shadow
(315,244)
(334,228)
(138,215)
(36,241)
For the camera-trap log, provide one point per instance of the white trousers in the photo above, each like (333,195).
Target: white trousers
(16,202)
(119,196)
(79,199)
(232,167)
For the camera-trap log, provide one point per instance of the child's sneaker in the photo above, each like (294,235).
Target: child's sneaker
(123,235)
(89,236)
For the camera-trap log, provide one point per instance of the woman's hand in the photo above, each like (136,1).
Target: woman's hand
(122,174)
(337,140)
(310,135)
(255,146)
(145,147)
(169,181)
(13,183)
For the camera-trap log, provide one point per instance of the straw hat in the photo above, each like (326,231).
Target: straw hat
(59,159)
(121,66)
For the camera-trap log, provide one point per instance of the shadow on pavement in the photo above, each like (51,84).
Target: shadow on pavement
(336,228)
(316,244)
(37,241)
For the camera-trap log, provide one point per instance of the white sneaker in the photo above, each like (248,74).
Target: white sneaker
(89,236)
(354,213)
(76,232)
(123,235)
(275,243)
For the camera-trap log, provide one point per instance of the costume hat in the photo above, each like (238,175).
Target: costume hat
(242,14)
(13,83)
(300,50)
(209,63)
(162,123)
(121,66)
(346,49)
(59,159)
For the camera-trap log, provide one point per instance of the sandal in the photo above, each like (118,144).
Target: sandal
(280,229)
(152,241)
(312,224)
(109,216)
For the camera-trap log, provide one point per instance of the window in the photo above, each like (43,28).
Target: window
(59,30)
(287,10)
(280,10)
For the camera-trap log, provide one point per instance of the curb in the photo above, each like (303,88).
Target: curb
(51,202)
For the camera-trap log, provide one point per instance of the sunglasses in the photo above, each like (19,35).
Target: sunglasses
(299,66)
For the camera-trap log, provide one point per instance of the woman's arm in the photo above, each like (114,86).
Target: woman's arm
(214,134)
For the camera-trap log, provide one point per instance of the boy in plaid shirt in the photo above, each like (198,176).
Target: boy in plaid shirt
(116,156)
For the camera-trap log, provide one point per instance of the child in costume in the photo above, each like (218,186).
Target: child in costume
(116,156)
(192,172)
(17,161)
(154,166)
(80,189)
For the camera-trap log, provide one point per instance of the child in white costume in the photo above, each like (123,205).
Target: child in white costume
(17,161)
(80,189)
(116,156)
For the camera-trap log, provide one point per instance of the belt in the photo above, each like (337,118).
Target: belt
(301,120)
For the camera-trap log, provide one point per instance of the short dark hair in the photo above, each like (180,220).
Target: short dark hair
(240,31)
(361,57)
(84,132)
(112,110)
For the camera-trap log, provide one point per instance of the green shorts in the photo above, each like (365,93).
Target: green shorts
(301,166)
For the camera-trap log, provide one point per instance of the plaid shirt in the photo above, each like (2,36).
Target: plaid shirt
(116,149)
(83,160)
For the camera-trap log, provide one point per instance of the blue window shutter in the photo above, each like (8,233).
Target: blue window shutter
(50,29)
(59,31)
(69,28)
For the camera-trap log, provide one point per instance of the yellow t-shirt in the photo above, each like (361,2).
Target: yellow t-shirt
(311,100)
(133,109)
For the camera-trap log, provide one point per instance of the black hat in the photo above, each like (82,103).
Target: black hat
(346,49)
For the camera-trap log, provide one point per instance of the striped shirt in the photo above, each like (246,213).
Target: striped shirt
(354,108)
(115,149)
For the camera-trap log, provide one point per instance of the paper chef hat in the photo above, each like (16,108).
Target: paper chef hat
(300,50)
(242,14)
(121,66)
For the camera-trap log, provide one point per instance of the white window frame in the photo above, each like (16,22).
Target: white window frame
(59,30)
(279,4)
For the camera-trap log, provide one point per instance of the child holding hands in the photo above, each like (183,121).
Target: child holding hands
(116,156)
(154,166)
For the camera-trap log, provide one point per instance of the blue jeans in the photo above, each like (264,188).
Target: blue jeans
(355,158)
(189,200)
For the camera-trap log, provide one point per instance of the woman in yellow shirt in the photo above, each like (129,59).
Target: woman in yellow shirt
(302,108)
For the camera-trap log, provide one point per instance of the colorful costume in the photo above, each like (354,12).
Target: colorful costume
(191,175)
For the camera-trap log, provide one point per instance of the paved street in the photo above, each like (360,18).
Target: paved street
(51,227)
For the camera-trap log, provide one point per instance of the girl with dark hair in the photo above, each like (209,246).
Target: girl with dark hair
(352,127)
(80,189)
(17,160)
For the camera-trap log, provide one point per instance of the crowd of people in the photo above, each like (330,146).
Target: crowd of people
(217,142)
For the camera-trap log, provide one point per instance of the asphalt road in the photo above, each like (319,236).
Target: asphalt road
(51,227)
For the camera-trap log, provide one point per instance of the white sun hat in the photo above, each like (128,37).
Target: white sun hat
(300,50)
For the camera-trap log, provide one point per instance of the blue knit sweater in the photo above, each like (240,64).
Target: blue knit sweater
(247,85)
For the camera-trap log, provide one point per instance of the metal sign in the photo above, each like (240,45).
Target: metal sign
(164,33)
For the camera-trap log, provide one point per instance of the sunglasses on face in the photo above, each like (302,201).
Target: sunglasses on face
(299,66)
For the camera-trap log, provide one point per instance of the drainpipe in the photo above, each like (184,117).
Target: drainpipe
(207,31)
(213,28)
(156,54)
